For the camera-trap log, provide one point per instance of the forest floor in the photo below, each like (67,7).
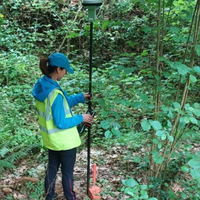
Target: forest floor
(112,168)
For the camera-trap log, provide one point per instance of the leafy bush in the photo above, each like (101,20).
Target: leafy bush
(135,190)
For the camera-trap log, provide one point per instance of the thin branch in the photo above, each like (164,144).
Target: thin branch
(69,29)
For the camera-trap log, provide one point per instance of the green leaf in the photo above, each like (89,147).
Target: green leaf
(137,159)
(193,120)
(129,124)
(185,169)
(130,182)
(145,125)
(144,53)
(150,106)
(115,73)
(174,29)
(169,124)
(198,49)
(176,105)
(194,163)
(144,97)
(147,29)
(129,191)
(155,141)
(182,122)
(169,3)
(171,138)
(144,194)
(116,132)
(186,120)
(193,79)
(195,174)
(156,125)
(105,124)
(197,69)
(159,133)
(160,145)
(138,104)
(116,125)
(104,113)
(163,137)
(196,105)
(72,35)
(170,115)
(108,134)
(129,70)
(144,187)
(158,159)
(101,102)
(105,24)
(182,68)
(4,151)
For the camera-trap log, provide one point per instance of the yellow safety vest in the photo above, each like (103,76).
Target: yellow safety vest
(53,137)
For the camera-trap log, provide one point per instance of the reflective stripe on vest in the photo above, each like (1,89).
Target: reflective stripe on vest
(54,130)
(47,114)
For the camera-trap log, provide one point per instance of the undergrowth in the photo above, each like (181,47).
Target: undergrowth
(18,138)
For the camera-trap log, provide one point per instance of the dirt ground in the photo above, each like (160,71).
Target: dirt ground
(13,185)
(112,168)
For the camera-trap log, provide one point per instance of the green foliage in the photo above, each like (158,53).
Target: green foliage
(191,190)
(6,164)
(135,190)
(16,149)
(1,19)
(37,25)
(125,82)
(34,191)
(193,166)
(18,138)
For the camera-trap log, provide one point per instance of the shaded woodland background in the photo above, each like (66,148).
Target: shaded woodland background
(145,139)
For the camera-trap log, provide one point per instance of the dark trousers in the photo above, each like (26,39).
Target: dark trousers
(67,160)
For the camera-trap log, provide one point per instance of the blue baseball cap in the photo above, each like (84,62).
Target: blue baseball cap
(60,60)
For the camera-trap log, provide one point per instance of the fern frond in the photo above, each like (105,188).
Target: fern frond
(19,153)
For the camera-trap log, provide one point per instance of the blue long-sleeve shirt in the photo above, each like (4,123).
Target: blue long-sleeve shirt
(41,91)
